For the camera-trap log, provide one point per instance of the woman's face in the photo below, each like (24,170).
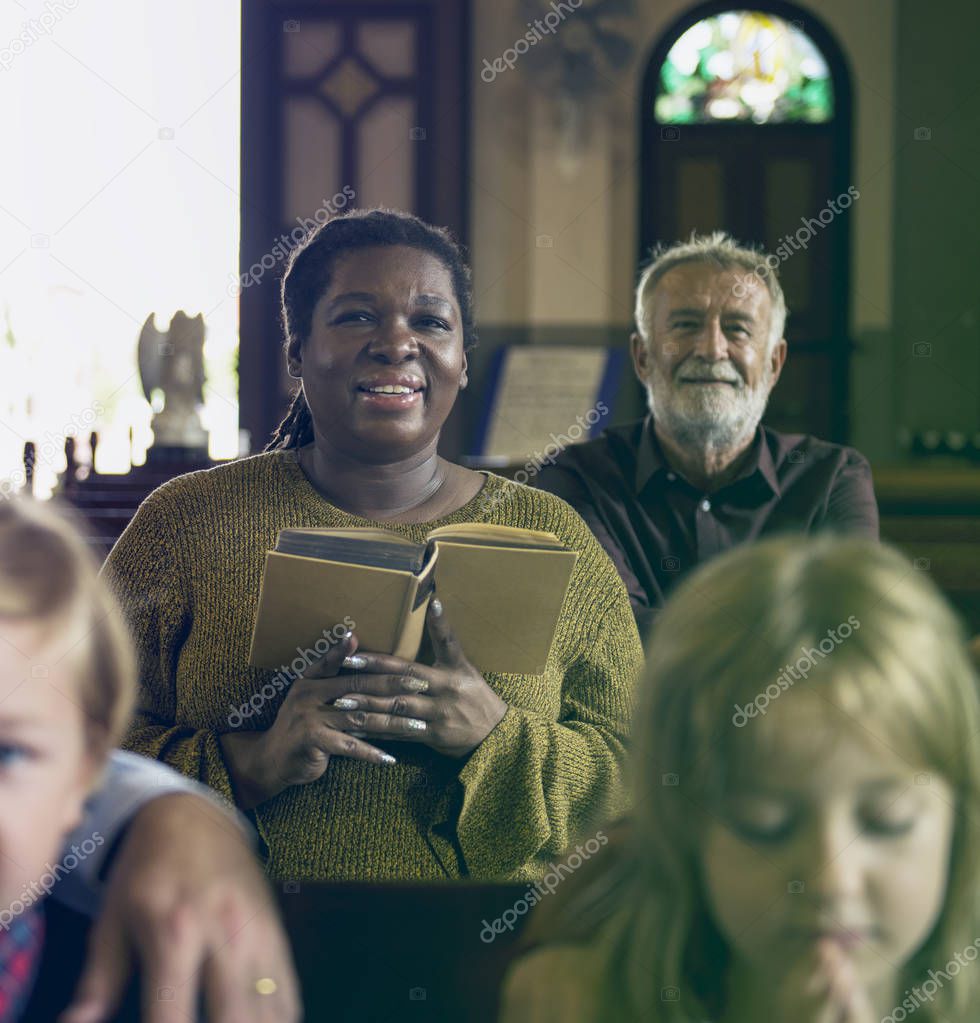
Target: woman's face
(384,360)
(835,838)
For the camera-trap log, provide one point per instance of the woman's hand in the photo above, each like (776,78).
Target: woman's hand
(825,988)
(448,706)
(188,906)
(307,731)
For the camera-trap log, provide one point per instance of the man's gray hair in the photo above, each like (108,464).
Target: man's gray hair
(722,250)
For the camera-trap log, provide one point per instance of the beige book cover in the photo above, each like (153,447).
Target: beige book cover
(502,589)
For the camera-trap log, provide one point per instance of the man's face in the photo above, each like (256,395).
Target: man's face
(706,364)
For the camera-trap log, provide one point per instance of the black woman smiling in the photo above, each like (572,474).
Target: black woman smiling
(495,775)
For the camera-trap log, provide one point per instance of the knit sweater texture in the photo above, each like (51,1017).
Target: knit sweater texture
(187,572)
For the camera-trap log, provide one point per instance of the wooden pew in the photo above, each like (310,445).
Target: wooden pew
(933,515)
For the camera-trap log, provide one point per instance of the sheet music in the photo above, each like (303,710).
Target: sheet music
(546,394)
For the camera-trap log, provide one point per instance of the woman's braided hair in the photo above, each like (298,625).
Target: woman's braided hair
(308,273)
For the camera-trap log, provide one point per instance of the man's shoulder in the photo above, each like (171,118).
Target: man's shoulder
(615,446)
(807,450)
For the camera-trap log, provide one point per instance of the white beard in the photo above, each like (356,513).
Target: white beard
(708,419)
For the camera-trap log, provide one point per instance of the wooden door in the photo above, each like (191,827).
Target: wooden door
(775,185)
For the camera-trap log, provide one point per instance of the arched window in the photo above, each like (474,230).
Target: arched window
(745,127)
(744,66)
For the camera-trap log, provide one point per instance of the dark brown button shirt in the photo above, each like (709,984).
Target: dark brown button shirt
(656,527)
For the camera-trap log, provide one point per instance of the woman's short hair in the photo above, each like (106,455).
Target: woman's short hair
(308,273)
(49,576)
(310,265)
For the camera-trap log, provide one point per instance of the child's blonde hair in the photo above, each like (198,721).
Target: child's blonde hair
(49,576)
(725,637)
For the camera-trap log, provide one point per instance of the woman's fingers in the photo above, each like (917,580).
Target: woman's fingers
(388,688)
(249,956)
(445,645)
(169,985)
(421,707)
(387,675)
(390,726)
(343,744)
(328,664)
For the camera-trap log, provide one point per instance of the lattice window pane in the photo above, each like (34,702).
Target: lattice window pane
(387,154)
(309,46)
(311,173)
(389,46)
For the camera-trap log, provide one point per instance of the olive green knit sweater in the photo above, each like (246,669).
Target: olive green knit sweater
(187,572)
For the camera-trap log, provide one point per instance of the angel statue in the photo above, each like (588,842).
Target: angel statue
(174,363)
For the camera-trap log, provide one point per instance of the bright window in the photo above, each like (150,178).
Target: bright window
(744,66)
(119,197)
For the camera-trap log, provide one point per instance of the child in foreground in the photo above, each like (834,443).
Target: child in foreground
(66,690)
(804,845)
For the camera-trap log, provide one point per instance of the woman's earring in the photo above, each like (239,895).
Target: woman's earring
(463,380)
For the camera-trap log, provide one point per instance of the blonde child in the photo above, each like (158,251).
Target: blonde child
(66,690)
(803,846)
(181,863)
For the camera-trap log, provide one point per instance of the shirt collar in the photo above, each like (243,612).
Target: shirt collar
(650,459)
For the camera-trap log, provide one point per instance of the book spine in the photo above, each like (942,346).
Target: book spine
(412,619)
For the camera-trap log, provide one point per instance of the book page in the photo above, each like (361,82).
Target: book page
(367,533)
(499,535)
(503,605)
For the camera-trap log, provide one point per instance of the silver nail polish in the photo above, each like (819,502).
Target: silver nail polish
(415,724)
(416,685)
(346,703)
(355,661)
(387,758)
(358,735)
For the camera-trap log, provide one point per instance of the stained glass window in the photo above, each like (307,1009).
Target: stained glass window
(744,66)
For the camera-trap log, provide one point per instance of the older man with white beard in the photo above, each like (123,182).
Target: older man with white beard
(700,474)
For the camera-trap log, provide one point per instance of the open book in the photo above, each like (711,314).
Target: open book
(502,590)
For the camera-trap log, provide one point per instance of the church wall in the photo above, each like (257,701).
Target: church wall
(937,211)
(554,252)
